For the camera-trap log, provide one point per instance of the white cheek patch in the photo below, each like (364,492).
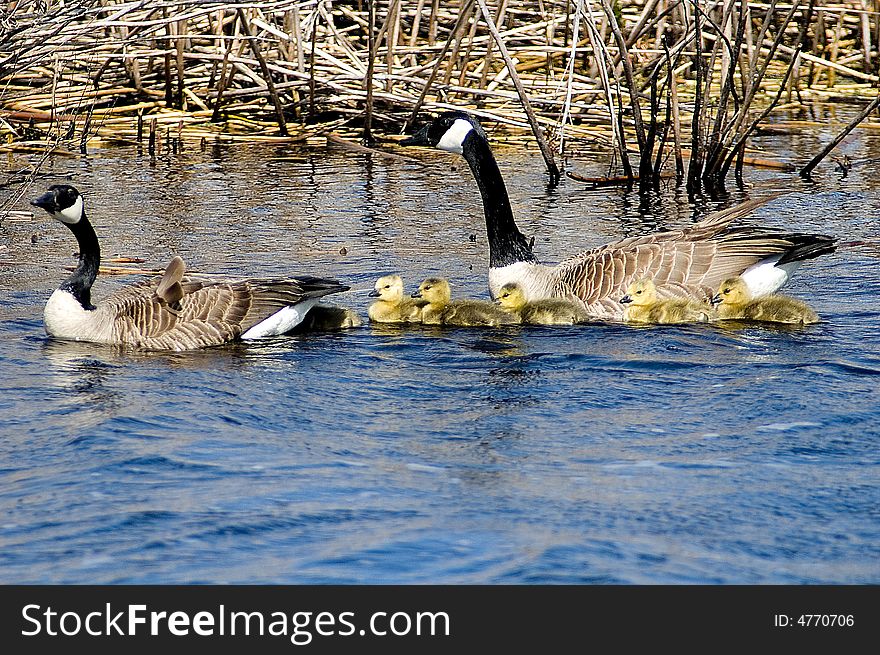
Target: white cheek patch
(72,214)
(454,137)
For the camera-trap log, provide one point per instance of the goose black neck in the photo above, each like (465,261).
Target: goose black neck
(507,245)
(80,283)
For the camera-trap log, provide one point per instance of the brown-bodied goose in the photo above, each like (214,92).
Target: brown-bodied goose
(687,262)
(171,311)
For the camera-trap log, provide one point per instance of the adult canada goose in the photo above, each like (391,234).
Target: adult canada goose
(643,306)
(391,306)
(687,262)
(171,311)
(550,311)
(734,302)
(442,310)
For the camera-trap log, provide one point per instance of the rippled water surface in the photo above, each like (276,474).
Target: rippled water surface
(591,454)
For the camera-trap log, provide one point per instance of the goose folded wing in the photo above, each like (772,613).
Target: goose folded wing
(679,267)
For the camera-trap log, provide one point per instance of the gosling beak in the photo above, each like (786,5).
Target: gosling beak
(420,138)
(374,293)
(415,294)
(626,299)
(717,299)
(47,202)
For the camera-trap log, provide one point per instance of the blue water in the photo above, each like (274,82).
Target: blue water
(587,454)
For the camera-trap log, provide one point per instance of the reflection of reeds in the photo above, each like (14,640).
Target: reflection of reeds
(617,73)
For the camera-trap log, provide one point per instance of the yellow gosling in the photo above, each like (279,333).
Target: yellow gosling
(442,310)
(643,306)
(550,311)
(733,301)
(391,306)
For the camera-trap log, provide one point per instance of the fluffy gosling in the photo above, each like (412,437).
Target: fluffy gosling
(643,306)
(322,318)
(391,306)
(733,301)
(442,310)
(550,311)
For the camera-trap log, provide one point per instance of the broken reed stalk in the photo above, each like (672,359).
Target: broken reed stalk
(367,136)
(806,170)
(695,165)
(454,35)
(546,152)
(646,145)
(603,63)
(737,148)
(676,118)
(267,75)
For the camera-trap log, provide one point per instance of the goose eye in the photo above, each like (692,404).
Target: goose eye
(727,291)
(638,293)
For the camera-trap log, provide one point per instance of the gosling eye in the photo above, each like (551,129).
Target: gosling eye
(387,286)
(727,291)
(638,293)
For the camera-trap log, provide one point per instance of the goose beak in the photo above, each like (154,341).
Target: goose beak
(717,299)
(420,138)
(47,202)
(374,293)
(415,294)
(626,299)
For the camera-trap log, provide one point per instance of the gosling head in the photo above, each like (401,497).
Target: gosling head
(511,296)
(63,203)
(640,292)
(436,290)
(733,291)
(449,131)
(388,288)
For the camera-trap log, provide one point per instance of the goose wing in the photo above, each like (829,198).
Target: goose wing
(182,313)
(687,262)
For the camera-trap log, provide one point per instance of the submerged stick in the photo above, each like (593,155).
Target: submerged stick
(806,170)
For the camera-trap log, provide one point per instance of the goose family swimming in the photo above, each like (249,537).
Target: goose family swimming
(733,301)
(171,311)
(690,262)
(442,310)
(550,311)
(644,306)
(391,306)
